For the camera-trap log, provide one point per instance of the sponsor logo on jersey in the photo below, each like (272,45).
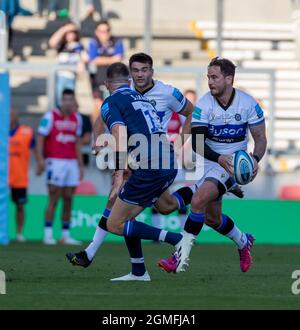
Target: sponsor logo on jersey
(259,111)
(65,125)
(44,122)
(177,94)
(197,113)
(237,117)
(227,130)
(65,138)
(153,102)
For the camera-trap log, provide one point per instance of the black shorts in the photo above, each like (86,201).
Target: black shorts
(19,195)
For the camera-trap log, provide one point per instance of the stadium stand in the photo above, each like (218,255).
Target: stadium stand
(265,46)
(262,41)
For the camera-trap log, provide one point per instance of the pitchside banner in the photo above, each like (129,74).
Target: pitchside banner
(270,221)
(4,126)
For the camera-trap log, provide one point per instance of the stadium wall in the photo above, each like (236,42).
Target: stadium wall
(271,221)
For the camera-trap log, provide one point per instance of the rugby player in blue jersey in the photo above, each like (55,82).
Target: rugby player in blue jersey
(166,99)
(131,117)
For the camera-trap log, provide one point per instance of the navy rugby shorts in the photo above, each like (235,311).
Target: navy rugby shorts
(144,187)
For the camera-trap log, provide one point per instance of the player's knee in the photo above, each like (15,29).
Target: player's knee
(168,207)
(199,202)
(67,198)
(164,209)
(113,228)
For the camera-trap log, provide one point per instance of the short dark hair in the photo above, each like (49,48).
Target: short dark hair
(226,66)
(68,91)
(117,70)
(141,58)
(103,22)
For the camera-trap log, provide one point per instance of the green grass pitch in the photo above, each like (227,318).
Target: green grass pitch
(40,277)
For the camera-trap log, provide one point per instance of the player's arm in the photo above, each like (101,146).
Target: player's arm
(78,146)
(119,133)
(98,129)
(258,133)
(39,154)
(44,130)
(187,111)
(58,36)
(199,135)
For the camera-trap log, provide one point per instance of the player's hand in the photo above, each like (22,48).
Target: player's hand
(117,181)
(40,167)
(255,170)
(96,148)
(226,162)
(70,27)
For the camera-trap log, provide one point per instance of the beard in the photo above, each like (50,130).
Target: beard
(217,92)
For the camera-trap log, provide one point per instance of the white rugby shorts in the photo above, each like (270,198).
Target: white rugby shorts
(214,171)
(62,172)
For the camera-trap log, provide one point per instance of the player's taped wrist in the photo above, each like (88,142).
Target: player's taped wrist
(256,158)
(206,152)
(120,158)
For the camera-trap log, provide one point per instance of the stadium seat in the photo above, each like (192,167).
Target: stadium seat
(86,188)
(290,192)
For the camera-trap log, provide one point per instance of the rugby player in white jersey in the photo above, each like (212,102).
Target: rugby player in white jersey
(166,99)
(224,115)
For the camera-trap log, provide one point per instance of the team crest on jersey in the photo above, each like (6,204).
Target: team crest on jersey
(153,102)
(237,117)
(212,117)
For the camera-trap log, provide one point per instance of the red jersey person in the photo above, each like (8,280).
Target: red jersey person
(59,153)
(21,140)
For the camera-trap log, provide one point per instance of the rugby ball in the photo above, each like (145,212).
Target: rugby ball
(243,166)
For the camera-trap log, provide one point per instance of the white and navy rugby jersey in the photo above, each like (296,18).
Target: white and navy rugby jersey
(166,99)
(227,126)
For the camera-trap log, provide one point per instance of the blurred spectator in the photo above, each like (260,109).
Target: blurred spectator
(103,50)
(59,150)
(191,95)
(94,6)
(21,140)
(86,136)
(11,9)
(47,7)
(66,40)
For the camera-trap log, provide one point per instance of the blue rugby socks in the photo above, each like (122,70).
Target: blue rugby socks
(144,231)
(194,223)
(134,247)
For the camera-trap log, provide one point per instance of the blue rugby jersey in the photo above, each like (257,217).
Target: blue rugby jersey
(133,110)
